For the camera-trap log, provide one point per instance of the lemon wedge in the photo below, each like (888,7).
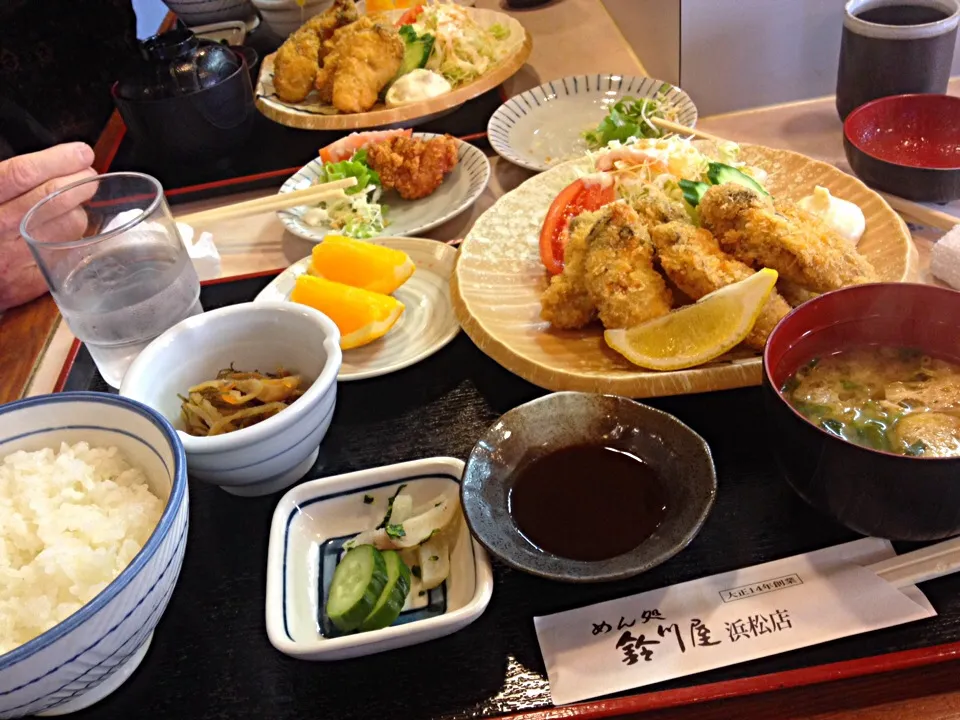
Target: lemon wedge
(695,334)
(361,315)
(361,264)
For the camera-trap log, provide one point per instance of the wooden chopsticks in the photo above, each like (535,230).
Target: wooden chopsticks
(281,201)
(908,208)
(915,567)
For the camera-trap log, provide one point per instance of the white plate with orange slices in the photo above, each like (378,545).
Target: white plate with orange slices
(390,297)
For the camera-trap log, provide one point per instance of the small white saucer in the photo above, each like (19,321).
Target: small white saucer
(544,126)
(311,523)
(427,323)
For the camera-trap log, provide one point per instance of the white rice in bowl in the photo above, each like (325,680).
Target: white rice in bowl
(70,521)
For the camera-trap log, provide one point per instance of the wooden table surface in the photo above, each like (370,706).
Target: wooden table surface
(570,37)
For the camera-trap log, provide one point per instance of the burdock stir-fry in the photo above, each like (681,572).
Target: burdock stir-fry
(237,400)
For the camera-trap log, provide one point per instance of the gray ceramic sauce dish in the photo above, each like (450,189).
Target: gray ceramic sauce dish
(681,458)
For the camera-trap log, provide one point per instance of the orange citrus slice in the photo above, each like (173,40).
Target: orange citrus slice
(361,315)
(361,264)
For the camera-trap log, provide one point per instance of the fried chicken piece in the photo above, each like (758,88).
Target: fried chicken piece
(620,276)
(338,15)
(565,303)
(360,59)
(655,207)
(298,59)
(694,262)
(295,66)
(798,245)
(413,167)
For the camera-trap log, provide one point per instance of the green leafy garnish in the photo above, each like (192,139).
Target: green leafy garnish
(809,409)
(832,426)
(790,385)
(499,31)
(872,434)
(850,385)
(386,515)
(368,499)
(916,449)
(630,117)
(395,531)
(354,167)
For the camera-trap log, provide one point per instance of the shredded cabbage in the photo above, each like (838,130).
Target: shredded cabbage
(463,50)
(355,212)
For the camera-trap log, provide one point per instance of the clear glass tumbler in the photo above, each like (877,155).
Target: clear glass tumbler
(115,264)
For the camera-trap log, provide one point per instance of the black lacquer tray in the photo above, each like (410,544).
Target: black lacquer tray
(211,659)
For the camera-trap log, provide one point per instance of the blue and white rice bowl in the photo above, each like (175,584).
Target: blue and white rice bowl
(91,653)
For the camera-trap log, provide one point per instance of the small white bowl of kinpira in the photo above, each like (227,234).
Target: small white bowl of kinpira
(372,561)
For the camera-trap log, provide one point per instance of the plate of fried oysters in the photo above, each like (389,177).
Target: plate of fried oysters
(650,229)
(344,69)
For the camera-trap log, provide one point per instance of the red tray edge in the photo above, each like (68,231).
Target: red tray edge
(108,144)
(813,675)
(659,700)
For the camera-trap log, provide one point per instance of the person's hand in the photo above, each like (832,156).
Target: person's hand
(24,181)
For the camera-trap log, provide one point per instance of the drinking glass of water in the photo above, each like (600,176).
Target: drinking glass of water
(115,264)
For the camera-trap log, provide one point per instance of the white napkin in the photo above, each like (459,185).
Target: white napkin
(945,258)
(203,253)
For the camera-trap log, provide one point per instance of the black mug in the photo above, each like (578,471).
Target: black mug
(893,47)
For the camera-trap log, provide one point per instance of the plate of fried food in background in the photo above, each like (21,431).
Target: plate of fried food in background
(389,297)
(344,70)
(570,274)
(407,183)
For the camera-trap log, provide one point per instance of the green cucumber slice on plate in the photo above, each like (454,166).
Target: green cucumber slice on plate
(394,594)
(357,585)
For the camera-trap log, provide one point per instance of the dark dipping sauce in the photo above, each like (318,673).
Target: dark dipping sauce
(587,502)
(903,15)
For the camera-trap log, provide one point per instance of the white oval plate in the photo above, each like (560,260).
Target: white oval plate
(543,127)
(459,190)
(427,323)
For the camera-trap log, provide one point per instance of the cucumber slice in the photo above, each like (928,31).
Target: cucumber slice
(394,594)
(357,584)
(720,174)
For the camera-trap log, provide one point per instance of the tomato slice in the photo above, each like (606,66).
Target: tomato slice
(574,199)
(410,16)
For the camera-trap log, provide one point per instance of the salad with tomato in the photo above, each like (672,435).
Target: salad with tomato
(622,171)
(461,49)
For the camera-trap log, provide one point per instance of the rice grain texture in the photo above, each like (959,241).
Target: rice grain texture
(70,521)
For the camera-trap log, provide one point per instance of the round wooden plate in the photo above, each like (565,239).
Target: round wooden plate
(499,278)
(310,115)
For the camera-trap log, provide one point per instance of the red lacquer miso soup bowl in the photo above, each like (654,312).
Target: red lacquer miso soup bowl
(908,145)
(875,492)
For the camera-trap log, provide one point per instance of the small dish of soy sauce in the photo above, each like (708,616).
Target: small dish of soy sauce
(587,488)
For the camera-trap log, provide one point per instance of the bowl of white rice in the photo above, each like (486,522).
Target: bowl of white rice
(93,528)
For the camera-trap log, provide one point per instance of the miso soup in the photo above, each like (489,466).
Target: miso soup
(899,400)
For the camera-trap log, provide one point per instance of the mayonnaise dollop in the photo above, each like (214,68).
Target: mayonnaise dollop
(417,85)
(842,215)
